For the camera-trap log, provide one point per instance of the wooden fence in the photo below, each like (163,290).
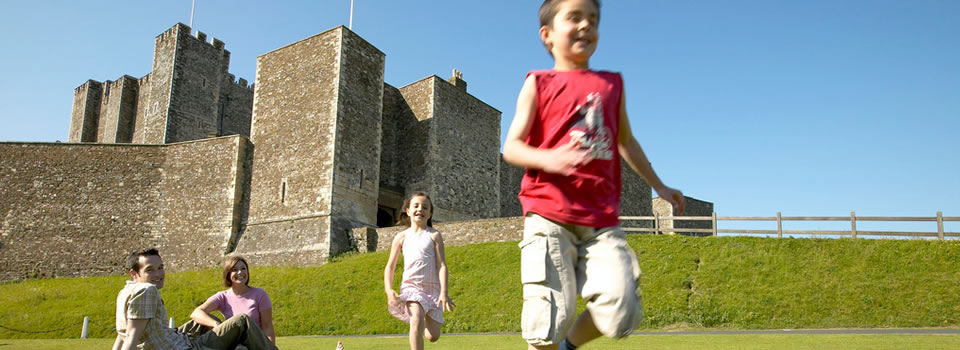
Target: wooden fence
(853,219)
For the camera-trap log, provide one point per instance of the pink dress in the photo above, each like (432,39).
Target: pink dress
(421,281)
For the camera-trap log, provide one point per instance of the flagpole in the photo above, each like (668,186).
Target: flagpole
(193,7)
(351,15)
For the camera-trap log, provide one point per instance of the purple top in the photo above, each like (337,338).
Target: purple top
(252,302)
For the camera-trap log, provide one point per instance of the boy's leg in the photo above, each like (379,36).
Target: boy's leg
(547,271)
(238,329)
(583,330)
(607,271)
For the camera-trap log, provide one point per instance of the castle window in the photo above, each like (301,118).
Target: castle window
(283,191)
(203,82)
(360,186)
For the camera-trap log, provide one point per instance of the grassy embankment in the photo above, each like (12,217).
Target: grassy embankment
(727,282)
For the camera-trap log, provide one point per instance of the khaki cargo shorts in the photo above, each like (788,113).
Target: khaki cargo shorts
(559,261)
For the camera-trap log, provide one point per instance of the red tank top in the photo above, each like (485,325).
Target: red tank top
(584,105)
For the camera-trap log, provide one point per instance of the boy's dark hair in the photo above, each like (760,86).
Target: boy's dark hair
(133,261)
(404,219)
(548,10)
(228,268)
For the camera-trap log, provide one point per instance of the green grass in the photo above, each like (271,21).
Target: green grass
(687,282)
(459,342)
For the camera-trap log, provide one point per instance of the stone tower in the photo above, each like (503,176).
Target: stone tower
(316,127)
(188,95)
(440,139)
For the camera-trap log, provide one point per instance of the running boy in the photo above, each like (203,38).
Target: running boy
(570,131)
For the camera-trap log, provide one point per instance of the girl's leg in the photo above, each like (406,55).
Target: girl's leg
(417,324)
(432,329)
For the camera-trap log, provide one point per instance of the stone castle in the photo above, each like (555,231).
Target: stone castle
(302,165)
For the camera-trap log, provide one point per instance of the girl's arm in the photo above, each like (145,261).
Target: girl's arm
(391,266)
(444,301)
(266,319)
(201,314)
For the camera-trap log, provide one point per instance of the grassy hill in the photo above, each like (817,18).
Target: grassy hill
(726,282)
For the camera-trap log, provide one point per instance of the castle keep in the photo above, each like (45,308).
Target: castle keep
(188,95)
(285,171)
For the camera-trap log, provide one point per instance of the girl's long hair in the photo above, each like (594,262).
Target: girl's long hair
(404,219)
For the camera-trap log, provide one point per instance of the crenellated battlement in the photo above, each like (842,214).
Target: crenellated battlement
(238,82)
(172,32)
(145,79)
(86,85)
(217,44)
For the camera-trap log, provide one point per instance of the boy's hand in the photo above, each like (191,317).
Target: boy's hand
(673,196)
(565,159)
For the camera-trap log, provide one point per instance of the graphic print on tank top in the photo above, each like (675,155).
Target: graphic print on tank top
(589,130)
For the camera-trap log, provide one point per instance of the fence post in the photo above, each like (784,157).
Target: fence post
(656,223)
(940,225)
(171,324)
(714,224)
(853,224)
(86,327)
(779,226)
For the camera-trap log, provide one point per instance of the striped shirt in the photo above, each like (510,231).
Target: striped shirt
(142,301)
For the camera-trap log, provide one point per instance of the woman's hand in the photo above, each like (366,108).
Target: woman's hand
(445,302)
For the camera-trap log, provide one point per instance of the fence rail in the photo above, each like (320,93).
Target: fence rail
(779,219)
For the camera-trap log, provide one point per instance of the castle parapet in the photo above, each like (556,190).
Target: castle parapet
(86,85)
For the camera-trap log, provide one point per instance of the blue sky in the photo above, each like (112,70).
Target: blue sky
(808,107)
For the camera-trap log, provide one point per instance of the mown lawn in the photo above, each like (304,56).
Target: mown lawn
(712,282)
(460,342)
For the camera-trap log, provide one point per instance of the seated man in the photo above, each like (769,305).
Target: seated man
(142,319)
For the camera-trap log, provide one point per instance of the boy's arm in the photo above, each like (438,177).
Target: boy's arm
(632,153)
(516,151)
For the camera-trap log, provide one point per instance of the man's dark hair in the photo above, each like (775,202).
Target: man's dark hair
(548,10)
(133,261)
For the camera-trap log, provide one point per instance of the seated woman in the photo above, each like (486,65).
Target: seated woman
(239,298)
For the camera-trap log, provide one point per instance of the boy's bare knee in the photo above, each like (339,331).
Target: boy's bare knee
(433,337)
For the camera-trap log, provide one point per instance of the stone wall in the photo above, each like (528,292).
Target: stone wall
(294,130)
(198,71)
(416,126)
(118,110)
(76,209)
(510,178)
(236,107)
(694,207)
(200,205)
(635,197)
(85,112)
(154,98)
(393,109)
(356,174)
(464,155)
(454,233)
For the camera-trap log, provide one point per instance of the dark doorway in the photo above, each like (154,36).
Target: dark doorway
(385,217)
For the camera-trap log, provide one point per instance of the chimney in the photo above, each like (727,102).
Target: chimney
(457,80)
